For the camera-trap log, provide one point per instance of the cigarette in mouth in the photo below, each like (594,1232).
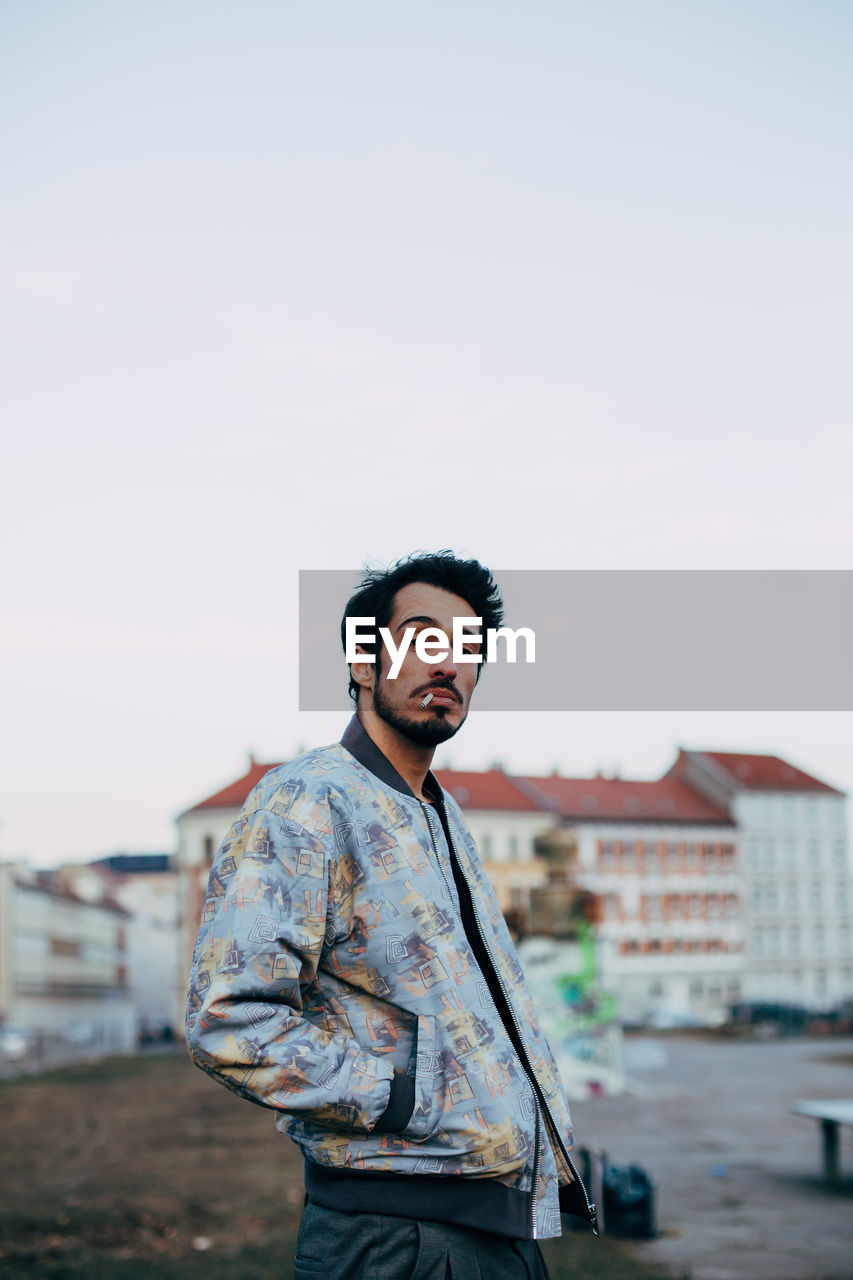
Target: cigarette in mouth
(426,701)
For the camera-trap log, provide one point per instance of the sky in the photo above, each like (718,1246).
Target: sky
(293,287)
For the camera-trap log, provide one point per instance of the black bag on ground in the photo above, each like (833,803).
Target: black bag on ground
(629,1201)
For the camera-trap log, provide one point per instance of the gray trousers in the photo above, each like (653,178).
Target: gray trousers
(376,1246)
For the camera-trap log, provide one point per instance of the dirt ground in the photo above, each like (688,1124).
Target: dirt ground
(143,1167)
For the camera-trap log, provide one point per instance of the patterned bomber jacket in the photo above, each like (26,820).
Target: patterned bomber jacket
(353,972)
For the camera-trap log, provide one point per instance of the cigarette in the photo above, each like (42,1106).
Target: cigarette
(426,701)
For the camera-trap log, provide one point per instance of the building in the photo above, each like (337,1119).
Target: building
(506,821)
(798,894)
(64,988)
(662,865)
(145,885)
(726,880)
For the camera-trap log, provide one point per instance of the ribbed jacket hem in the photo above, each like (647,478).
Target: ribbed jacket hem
(482,1203)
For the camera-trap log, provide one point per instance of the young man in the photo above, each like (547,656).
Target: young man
(354,973)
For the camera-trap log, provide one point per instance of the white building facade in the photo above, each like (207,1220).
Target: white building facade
(663,866)
(798,891)
(144,884)
(63,971)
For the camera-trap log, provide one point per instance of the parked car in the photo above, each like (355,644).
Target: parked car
(14,1044)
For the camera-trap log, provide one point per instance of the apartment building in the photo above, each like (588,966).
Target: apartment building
(727,879)
(662,865)
(144,884)
(506,821)
(798,892)
(63,969)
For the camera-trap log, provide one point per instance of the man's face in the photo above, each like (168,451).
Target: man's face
(397,701)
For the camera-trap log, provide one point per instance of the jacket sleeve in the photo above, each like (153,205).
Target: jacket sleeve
(255,967)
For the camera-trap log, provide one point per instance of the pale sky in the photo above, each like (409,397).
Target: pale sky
(293,286)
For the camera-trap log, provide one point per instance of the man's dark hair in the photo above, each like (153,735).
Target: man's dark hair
(466,578)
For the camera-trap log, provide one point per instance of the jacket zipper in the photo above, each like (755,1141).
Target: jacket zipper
(537,1146)
(537,1156)
(538,1096)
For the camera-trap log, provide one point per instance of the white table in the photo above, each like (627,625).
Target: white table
(832,1114)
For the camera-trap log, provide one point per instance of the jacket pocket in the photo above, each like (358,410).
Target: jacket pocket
(429,1082)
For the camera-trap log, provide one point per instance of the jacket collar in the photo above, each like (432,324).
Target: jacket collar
(359,744)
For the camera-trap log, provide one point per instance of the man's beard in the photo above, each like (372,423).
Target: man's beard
(425,732)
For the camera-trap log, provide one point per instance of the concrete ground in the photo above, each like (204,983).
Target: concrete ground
(740,1191)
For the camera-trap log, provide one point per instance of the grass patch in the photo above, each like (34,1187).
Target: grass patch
(139,1167)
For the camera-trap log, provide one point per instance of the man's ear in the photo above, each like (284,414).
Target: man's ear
(363,673)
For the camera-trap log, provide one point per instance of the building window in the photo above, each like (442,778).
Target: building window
(838,854)
(486,846)
(793,939)
(841,895)
(792,896)
(817,938)
(513,846)
(208,848)
(816,896)
(790,854)
(69,948)
(814,855)
(769,855)
(771,898)
(757,941)
(755,898)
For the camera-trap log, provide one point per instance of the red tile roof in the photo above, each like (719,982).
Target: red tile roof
(617,799)
(232,796)
(612,799)
(764,773)
(490,789)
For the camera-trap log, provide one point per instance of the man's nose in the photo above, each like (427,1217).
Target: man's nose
(443,669)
